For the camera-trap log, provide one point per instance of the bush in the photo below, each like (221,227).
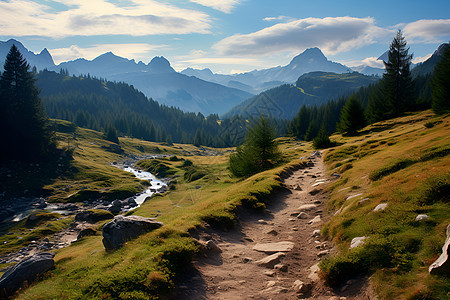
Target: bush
(437,189)
(322,139)
(391,168)
(193,174)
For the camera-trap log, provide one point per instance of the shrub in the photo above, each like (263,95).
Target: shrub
(391,168)
(437,189)
(322,139)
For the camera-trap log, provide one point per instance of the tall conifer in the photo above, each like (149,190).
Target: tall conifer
(440,92)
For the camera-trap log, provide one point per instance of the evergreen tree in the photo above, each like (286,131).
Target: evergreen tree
(198,138)
(111,134)
(259,151)
(440,92)
(25,131)
(352,117)
(322,140)
(396,84)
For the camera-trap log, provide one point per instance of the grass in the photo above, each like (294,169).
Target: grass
(203,192)
(407,167)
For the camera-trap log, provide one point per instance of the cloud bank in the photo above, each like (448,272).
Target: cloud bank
(332,35)
(98,17)
(225,6)
(427,31)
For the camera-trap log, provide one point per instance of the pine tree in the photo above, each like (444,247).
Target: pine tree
(25,131)
(198,138)
(352,117)
(397,86)
(259,151)
(111,134)
(322,140)
(440,92)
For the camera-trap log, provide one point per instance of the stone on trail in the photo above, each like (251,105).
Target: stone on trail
(307,207)
(270,248)
(25,271)
(269,273)
(316,233)
(357,241)
(298,188)
(211,246)
(271,283)
(380,207)
(314,272)
(315,191)
(302,215)
(123,229)
(281,267)
(315,221)
(270,260)
(300,287)
(272,232)
(442,264)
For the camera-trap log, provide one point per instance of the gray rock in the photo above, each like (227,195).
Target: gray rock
(315,221)
(274,247)
(123,229)
(357,241)
(442,264)
(307,207)
(86,232)
(380,207)
(92,216)
(211,246)
(270,260)
(300,287)
(422,218)
(302,215)
(25,271)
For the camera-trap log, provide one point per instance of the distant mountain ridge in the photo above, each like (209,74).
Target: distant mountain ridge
(310,60)
(40,61)
(313,88)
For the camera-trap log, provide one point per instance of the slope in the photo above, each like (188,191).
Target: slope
(313,88)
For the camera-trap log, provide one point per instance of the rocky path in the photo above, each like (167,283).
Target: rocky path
(272,255)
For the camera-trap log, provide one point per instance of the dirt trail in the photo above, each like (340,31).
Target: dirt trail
(236,272)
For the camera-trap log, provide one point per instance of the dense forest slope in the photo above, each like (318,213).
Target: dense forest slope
(311,89)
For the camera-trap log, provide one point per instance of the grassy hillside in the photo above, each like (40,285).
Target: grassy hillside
(404,163)
(145,267)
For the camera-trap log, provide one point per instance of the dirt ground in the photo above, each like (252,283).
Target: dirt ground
(234,271)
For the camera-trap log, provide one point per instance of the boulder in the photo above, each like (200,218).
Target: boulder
(442,264)
(300,287)
(270,248)
(316,220)
(25,271)
(307,207)
(211,246)
(123,229)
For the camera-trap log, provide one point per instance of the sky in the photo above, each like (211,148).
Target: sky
(227,36)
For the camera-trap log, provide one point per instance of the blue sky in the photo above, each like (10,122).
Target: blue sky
(226,36)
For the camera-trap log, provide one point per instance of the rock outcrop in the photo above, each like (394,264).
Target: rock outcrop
(123,229)
(442,264)
(25,271)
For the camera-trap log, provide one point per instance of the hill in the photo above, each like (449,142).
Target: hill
(427,66)
(313,88)
(40,61)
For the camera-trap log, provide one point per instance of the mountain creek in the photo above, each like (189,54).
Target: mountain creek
(274,255)
(69,235)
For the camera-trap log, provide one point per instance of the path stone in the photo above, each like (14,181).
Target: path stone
(307,207)
(300,287)
(442,264)
(270,260)
(270,248)
(315,191)
(314,273)
(281,267)
(315,221)
(302,215)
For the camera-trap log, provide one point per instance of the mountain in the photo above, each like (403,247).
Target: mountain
(259,80)
(158,80)
(428,66)
(368,70)
(313,88)
(40,61)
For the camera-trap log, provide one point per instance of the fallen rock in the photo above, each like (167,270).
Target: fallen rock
(272,232)
(323,253)
(270,248)
(357,241)
(25,271)
(316,233)
(380,207)
(302,215)
(422,218)
(271,283)
(314,273)
(442,264)
(281,267)
(269,273)
(123,229)
(298,188)
(270,260)
(315,191)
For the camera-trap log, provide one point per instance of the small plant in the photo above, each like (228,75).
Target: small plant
(437,189)
(429,124)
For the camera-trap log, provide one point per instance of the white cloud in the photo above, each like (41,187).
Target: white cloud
(99,17)
(279,18)
(332,35)
(225,6)
(369,61)
(136,51)
(427,31)
(420,59)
